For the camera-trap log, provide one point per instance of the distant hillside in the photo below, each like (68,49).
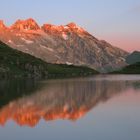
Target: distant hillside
(14,63)
(131,69)
(133,57)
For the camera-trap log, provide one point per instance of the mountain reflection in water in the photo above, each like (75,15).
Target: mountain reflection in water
(26,102)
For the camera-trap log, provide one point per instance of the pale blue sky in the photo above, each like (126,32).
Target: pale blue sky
(117,21)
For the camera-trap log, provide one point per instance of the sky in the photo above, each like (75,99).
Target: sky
(116,21)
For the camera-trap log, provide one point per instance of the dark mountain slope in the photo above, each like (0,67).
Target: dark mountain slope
(133,57)
(131,69)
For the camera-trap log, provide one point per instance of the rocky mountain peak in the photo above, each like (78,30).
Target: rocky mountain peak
(49,28)
(29,24)
(2,25)
(72,25)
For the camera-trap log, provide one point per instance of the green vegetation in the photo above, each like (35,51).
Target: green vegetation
(14,63)
(62,70)
(131,69)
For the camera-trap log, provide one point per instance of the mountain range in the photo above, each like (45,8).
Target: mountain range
(64,44)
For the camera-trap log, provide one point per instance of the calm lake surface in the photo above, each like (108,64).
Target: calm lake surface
(104,107)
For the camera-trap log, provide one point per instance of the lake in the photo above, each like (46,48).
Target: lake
(102,107)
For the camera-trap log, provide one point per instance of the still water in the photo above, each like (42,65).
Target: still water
(104,107)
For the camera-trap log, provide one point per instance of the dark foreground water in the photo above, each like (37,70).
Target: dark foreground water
(105,107)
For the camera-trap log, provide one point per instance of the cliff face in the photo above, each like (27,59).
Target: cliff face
(69,44)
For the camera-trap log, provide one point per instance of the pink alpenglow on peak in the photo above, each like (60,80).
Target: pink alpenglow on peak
(62,28)
(74,26)
(2,25)
(28,24)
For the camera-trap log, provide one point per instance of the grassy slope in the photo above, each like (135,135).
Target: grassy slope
(14,63)
(131,69)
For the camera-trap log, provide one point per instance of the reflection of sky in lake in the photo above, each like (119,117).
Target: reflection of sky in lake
(115,116)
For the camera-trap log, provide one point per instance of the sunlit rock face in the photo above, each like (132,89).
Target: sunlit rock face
(28,24)
(61,99)
(2,25)
(63,44)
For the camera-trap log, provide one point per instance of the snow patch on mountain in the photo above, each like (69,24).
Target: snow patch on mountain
(27,41)
(45,47)
(20,45)
(50,49)
(66,27)
(10,41)
(18,34)
(42,46)
(65,36)
(68,63)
